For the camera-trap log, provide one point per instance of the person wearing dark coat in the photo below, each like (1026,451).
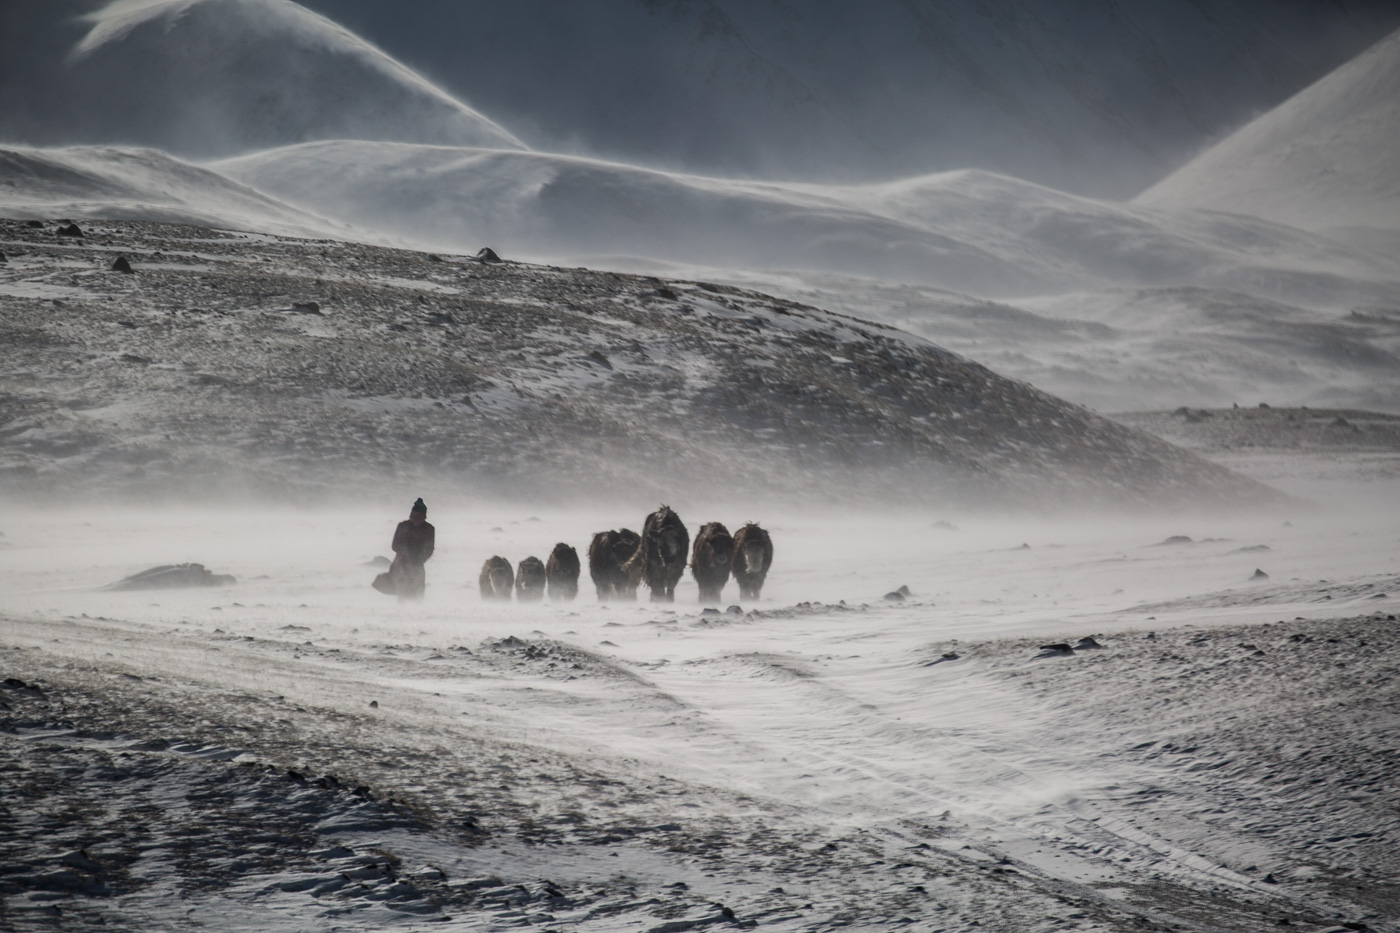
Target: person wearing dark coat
(413,545)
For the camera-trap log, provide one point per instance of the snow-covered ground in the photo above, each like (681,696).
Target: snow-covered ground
(824,756)
(1145,708)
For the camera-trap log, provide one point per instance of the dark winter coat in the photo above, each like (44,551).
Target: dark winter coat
(413,544)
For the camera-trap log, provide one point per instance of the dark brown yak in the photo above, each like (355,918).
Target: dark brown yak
(710,560)
(561,572)
(529,580)
(753,554)
(607,555)
(497,579)
(661,558)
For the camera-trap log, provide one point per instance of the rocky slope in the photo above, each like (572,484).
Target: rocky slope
(229,363)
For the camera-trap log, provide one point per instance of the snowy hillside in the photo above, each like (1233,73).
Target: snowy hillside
(1124,349)
(1138,308)
(215,77)
(227,364)
(1324,158)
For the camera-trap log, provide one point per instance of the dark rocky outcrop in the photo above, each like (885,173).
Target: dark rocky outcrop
(172,576)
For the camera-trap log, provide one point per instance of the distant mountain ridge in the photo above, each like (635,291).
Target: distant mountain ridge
(968,231)
(1101,101)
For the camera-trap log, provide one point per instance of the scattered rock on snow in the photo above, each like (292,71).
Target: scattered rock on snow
(487,254)
(1259,575)
(71,229)
(172,576)
(1057,650)
(1088,641)
(122,265)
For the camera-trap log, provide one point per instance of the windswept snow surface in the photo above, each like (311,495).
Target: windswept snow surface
(297,750)
(217,77)
(1324,158)
(139,184)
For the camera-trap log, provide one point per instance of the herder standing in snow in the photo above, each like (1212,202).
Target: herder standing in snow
(413,545)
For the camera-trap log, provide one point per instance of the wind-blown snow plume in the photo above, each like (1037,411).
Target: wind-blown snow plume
(207,78)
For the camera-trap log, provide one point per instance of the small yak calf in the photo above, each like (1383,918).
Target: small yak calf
(561,572)
(530,580)
(497,579)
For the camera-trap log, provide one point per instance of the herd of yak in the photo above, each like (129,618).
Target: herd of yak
(621,561)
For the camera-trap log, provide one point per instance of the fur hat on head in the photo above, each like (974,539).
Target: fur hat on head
(418,506)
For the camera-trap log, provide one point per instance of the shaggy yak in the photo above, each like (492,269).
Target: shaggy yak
(607,555)
(710,560)
(561,572)
(661,557)
(497,579)
(529,580)
(753,554)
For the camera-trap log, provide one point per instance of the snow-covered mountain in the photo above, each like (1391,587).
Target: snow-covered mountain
(1324,158)
(968,231)
(229,363)
(214,77)
(1100,98)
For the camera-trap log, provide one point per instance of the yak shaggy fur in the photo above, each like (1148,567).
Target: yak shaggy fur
(497,579)
(710,561)
(530,580)
(662,556)
(753,555)
(609,553)
(561,572)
